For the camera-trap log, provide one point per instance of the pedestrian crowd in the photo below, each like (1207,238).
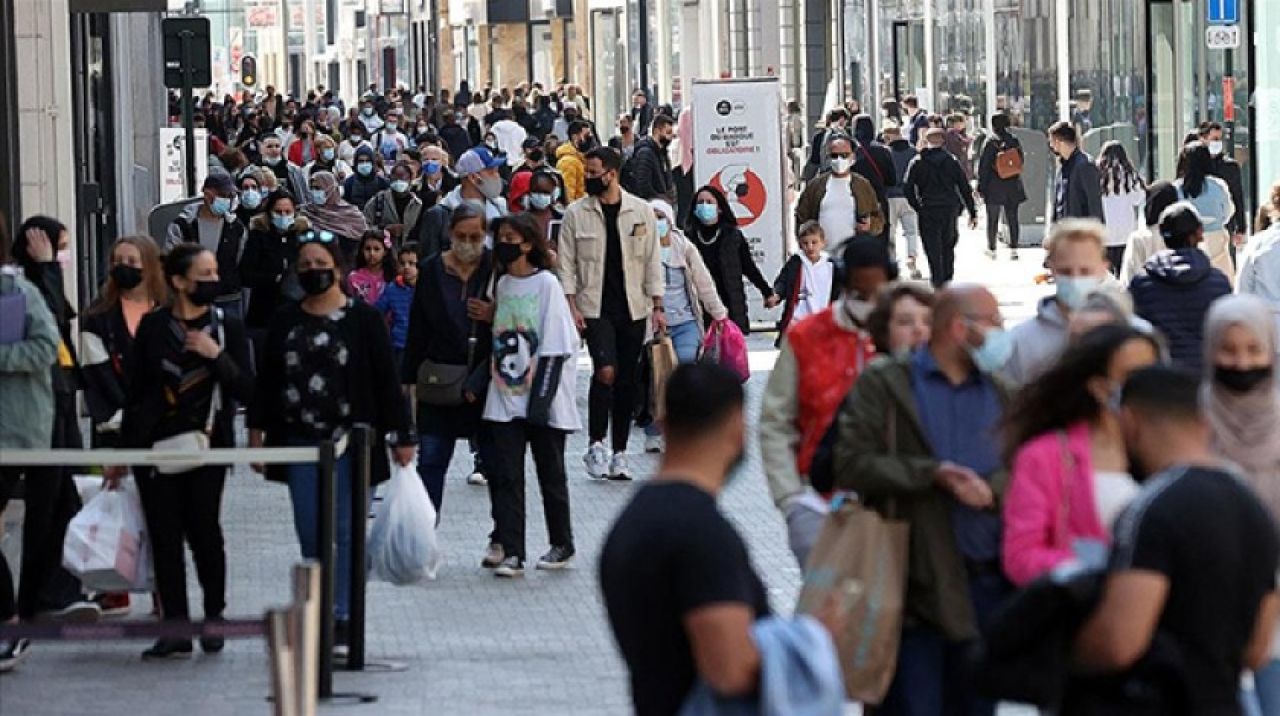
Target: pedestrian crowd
(432,265)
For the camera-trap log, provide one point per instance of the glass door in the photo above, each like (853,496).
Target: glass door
(908,58)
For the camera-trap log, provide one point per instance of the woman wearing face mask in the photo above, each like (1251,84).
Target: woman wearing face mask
(821,358)
(302,151)
(267,264)
(328,211)
(449,327)
(437,178)
(531,400)
(690,294)
(251,197)
(327,366)
(190,367)
(713,229)
(1071,478)
(135,285)
(366,181)
(540,202)
(327,159)
(1211,197)
(1242,406)
(396,209)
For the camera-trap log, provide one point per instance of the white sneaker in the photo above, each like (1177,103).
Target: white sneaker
(597,461)
(618,468)
(653,444)
(478,479)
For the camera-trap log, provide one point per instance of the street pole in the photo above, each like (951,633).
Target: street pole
(188,111)
(642,9)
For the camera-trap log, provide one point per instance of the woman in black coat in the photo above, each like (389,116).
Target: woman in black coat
(266,267)
(327,366)
(190,367)
(1000,194)
(713,228)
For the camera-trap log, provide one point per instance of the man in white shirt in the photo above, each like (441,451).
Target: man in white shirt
(843,203)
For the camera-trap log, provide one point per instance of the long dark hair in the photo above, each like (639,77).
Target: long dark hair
(52,228)
(1198,164)
(388,266)
(530,232)
(1059,399)
(726,220)
(1117,172)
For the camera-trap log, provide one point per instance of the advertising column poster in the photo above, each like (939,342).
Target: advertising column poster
(737,145)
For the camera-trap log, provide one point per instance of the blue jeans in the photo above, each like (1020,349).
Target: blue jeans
(1264,700)
(932,677)
(434,454)
(304,492)
(686,338)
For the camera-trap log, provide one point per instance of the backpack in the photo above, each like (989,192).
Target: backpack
(1008,163)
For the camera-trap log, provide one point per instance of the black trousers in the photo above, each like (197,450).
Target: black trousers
(1115,255)
(617,344)
(51,501)
(1010,219)
(506,483)
(186,508)
(939,234)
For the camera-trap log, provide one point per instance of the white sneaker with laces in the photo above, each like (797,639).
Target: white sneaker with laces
(618,468)
(597,461)
(653,444)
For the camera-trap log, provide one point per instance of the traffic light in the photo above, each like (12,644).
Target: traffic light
(248,71)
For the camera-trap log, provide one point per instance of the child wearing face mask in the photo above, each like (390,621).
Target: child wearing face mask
(806,284)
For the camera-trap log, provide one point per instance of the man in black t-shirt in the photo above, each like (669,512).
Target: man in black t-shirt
(1194,557)
(677,583)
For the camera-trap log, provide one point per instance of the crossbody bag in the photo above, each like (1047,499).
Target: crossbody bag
(444,384)
(194,440)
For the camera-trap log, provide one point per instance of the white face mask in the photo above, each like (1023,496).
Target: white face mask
(1215,148)
(858,309)
(840,165)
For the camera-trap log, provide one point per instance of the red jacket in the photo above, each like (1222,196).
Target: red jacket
(829,360)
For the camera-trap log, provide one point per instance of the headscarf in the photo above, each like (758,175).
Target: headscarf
(1246,426)
(334,214)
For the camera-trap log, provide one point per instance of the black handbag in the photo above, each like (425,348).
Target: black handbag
(444,384)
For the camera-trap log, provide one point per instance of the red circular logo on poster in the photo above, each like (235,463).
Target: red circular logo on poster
(744,190)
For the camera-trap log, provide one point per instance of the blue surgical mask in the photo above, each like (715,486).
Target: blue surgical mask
(365,168)
(319,196)
(663,225)
(399,186)
(431,167)
(706,213)
(1073,290)
(283,222)
(252,199)
(539,201)
(327,154)
(996,348)
(221,206)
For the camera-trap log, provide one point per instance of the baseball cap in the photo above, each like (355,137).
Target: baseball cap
(475,160)
(531,143)
(220,182)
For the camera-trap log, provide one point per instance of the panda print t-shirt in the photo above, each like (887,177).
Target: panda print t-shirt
(531,320)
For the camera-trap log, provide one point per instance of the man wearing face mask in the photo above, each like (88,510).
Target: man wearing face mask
(648,173)
(479,184)
(842,202)
(611,270)
(1077,191)
(1227,169)
(211,222)
(1076,256)
(437,178)
(820,148)
(916,440)
(287,174)
(570,159)
(1177,556)
(821,358)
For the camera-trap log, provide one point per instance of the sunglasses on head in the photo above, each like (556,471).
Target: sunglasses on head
(324,237)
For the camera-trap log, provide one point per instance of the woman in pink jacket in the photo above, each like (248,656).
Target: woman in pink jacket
(1070,477)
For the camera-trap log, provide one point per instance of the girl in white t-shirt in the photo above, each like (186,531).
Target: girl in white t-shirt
(531,398)
(1123,195)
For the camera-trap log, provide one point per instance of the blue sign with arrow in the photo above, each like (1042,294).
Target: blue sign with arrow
(1224,12)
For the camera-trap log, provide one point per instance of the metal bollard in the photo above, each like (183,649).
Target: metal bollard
(281,656)
(361,469)
(326,475)
(306,634)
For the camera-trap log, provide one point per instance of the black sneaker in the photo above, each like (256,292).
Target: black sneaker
(510,568)
(12,653)
(212,644)
(168,649)
(556,558)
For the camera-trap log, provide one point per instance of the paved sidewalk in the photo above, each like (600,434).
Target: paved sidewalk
(474,645)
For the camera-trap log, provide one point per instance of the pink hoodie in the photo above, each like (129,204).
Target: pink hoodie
(1040,523)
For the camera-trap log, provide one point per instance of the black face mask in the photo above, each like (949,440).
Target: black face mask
(506,254)
(126,277)
(1241,381)
(204,293)
(584,145)
(316,281)
(595,186)
(535,156)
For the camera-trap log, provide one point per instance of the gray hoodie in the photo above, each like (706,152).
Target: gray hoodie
(1037,343)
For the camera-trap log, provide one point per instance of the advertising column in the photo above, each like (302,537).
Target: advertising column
(737,145)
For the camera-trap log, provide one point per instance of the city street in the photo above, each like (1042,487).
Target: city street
(473,644)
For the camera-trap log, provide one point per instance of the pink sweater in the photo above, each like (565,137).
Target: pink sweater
(1039,524)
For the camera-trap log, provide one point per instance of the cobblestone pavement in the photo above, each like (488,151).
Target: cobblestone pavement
(473,644)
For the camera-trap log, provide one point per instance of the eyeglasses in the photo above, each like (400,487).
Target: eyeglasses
(324,237)
(834,155)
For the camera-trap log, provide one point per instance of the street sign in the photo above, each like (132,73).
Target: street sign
(174,29)
(1224,12)
(1222,37)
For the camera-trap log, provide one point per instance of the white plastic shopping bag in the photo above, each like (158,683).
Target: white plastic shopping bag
(104,541)
(402,542)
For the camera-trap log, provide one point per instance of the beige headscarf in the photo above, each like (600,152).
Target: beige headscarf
(335,214)
(1246,426)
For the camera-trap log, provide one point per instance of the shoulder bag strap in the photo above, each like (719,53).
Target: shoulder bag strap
(871,160)
(215,400)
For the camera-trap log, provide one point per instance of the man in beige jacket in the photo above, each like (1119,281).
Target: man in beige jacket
(611,269)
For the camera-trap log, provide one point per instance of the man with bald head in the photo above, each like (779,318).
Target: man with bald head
(917,441)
